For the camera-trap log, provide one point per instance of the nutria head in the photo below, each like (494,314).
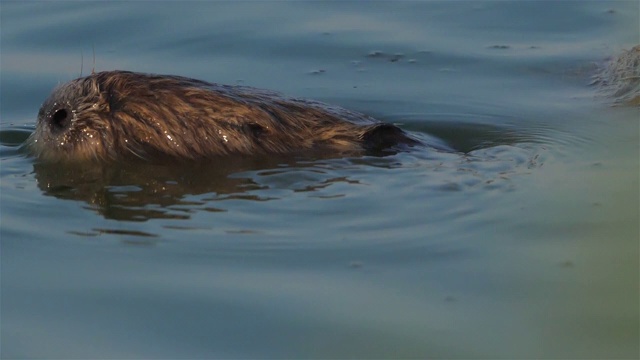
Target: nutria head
(70,123)
(118,115)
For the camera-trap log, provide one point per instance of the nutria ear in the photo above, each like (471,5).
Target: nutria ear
(382,136)
(254,129)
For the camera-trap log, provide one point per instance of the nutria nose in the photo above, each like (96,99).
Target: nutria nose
(60,120)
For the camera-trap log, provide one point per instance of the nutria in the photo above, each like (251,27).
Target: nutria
(116,115)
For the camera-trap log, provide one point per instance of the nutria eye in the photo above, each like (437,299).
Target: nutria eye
(60,120)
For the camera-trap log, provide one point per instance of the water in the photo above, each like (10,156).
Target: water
(521,242)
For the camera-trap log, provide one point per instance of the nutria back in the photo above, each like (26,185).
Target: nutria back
(117,115)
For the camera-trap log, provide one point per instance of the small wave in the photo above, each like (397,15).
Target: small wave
(14,136)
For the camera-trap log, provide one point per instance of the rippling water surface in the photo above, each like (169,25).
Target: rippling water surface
(516,236)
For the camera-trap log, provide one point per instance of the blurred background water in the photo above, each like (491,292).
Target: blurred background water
(522,242)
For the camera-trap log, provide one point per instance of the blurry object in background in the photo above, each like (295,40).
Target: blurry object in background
(620,78)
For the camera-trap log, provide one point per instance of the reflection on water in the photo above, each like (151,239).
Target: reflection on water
(141,191)
(138,192)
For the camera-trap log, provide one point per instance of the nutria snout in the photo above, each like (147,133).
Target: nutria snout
(116,115)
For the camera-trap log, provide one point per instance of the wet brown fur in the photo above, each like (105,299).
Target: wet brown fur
(118,114)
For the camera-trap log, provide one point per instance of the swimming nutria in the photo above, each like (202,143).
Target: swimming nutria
(115,115)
